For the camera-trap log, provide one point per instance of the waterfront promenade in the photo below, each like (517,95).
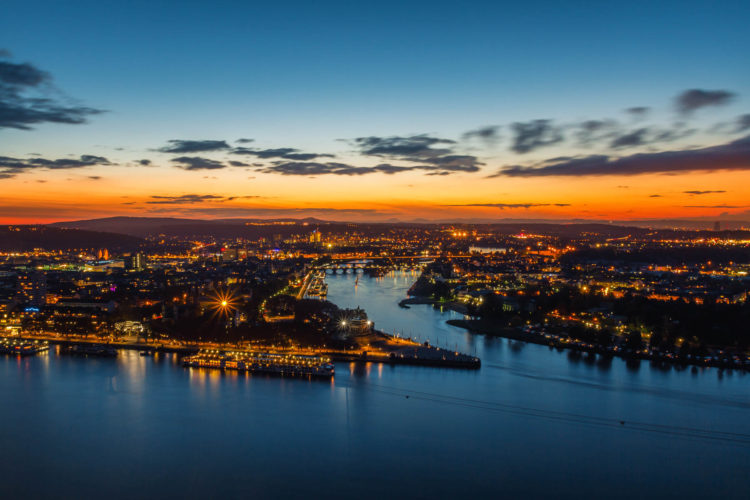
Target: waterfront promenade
(378,347)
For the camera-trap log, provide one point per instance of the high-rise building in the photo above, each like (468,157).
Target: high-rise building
(315,236)
(32,287)
(135,262)
(229,254)
(717,226)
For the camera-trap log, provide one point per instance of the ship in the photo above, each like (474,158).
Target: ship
(22,347)
(262,362)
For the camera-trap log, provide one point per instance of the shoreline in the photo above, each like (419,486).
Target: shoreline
(390,350)
(645,354)
(452,305)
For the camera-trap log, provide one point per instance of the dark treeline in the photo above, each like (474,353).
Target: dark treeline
(27,238)
(707,324)
(660,255)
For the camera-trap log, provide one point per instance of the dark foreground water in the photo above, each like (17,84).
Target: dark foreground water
(531,423)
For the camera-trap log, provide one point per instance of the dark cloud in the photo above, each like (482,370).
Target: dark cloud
(655,196)
(419,149)
(144,163)
(264,153)
(305,156)
(668,135)
(95,177)
(734,155)
(10,167)
(592,131)
(638,111)
(695,192)
(449,166)
(183,199)
(634,138)
(268,211)
(503,206)
(743,123)
(489,134)
(188,146)
(693,99)
(248,197)
(535,134)
(285,153)
(415,147)
(738,125)
(25,98)
(715,206)
(315,168)
(244,140)
(646,135)
(238,164)
(197,163)
(455,163)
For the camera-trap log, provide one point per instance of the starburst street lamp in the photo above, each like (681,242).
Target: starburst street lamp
(224,303)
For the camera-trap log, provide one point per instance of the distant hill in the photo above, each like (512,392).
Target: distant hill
(154,226)
(25,238)
(144,227)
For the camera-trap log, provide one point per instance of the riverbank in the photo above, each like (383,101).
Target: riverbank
(541,337)
(450,305)
(380,348)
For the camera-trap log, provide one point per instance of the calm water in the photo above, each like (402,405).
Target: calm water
(531,422)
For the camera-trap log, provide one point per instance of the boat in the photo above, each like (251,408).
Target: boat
(262,362)
(22,347)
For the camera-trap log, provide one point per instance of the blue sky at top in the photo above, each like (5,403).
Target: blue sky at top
(305,74)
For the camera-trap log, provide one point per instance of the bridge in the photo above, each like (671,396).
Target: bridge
(381,263)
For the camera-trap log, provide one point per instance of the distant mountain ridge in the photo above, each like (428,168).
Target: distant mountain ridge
(143,227)
(27,238)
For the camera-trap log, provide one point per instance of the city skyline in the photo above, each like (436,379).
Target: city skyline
(354,113)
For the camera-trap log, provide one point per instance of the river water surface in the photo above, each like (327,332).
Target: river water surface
(532,422)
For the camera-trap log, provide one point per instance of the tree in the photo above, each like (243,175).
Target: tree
(633,340)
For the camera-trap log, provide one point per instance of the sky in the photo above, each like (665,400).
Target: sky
(406,110)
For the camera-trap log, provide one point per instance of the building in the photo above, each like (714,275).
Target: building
(135,262)
(32,288)
(487,250)
(356,323)
(229,254)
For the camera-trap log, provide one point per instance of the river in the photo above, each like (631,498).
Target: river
(532,422)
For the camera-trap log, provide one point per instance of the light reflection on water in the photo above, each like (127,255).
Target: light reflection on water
(145,424)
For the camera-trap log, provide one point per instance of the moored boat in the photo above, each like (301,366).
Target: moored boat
(262,362)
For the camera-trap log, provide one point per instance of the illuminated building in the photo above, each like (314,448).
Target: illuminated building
(356,323)
(315,236)
(135,262)
(32,287)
